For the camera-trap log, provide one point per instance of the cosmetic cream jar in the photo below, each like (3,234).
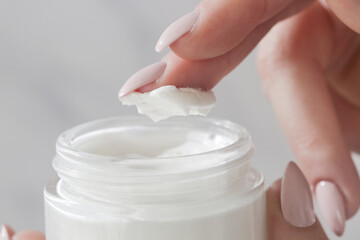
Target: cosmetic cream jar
(128,178)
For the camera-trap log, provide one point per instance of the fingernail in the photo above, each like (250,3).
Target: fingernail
(296,200)
(176,30)
(4,235)
(143,77)
(331,204)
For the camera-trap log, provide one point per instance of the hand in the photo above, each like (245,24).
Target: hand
(310,64)
(289,204)
(7,233)
(211,41)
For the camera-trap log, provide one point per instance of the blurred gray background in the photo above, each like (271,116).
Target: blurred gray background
(62,63)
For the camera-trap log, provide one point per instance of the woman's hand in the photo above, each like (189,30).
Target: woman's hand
(210,42)
(6,233)
(310,64)
(290,209)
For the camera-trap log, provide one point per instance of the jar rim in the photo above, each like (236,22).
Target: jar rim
(206,175)
(240,150)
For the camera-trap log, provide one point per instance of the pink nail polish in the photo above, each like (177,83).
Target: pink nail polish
(331,204)
(296,199)
(4,235)
(176,30)
(143,77)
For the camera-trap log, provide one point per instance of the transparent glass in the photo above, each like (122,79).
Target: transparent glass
(131,179)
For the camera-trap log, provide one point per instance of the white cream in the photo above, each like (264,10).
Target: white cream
(181,179)
(168,101)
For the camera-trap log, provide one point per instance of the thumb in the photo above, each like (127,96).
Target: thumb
(280,212)
(28,235)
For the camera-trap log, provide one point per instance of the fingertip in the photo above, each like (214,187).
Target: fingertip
(273,194)
(352,195)
(142,78)
(332,206)
(8,229)
(279,228)
(296,198)
(29,235)
(176,30)
(4,233)
(275,187)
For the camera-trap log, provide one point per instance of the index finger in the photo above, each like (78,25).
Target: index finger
(216,27)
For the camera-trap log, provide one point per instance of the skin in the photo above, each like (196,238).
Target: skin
(279,229)
(24,235)
(310,66)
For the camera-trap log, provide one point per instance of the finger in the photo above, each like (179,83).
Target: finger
(291,64)
(349,116)
(344,75)
(29,235)
(216,27)
(6,232)
(205,74)
(279,228)
(348,11)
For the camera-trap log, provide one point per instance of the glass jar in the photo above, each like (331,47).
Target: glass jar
(128,178)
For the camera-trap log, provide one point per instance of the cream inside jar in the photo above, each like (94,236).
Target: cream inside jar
(129,178)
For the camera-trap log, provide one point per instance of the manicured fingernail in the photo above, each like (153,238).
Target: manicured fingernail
(331,204)
(4,235)
(176,30)
(143,77)
(296,200)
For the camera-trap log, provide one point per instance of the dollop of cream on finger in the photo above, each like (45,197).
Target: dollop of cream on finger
(168,101)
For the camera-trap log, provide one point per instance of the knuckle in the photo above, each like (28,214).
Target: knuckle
(309,145)
(308,142)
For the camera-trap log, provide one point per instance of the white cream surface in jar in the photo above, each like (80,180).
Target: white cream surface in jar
(183,179)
